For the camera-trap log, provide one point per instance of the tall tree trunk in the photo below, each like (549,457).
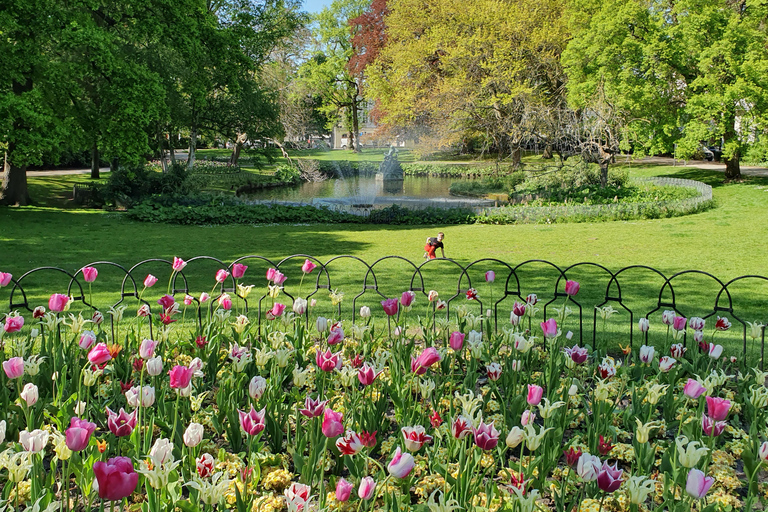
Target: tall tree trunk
(172,150)
(516,157)
(95,160)
(604,159)
(732,167)
(355,127)
(13,189)
(547,152)
(192,147)
(239,141)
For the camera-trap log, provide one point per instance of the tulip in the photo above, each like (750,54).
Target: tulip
(415,437)
(193,435)
(461,427)
(693,389)
(308,267)
(678,323)
(407,298)
(147,348)
(143,311)
(30,394)
(90,274)
(271,274)
(58,302)
(534,394)
(588,467)
(180,377)
(715,351)
(79,434)
(313,408)
(717,408)
(5,279)
(367,374)
(343,488)
(276,311)
(221,275)
(365,312)
(367,488)
(279,277)
(643,324)
(722,324)
(515,437)
(35,441)
(527,417)
(577,354)
(711,427)
(336,336)
(471,294)
(550,328)
(677,350)
(166,301)
(238,270)
(328,361)
(456,340)
(763,451)
(322,324)
(426,359)
(154,366)
(225,301)
(300,306)
(256,387)
(253,421)
(205,465)
(666,363)
(646,354)
(150,281)
(609,478)
(696,323)
(494,371)
(178,264)
(432,295)
(689,455)
(204,298)
(572,456)
(486,436)
(390,306)
(668,317)
(402,464)
(571,288)
(117,478)
(698,484)
(332,423)
(39,312)
(490,276)
(14,367)
(2,431)
(350,444)
(121,424)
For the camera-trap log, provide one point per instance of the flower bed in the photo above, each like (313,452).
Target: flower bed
(395,411)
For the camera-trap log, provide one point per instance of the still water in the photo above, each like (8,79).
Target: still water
(359,187)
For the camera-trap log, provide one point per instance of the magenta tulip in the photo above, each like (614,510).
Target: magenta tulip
(401,464)
(698,483)
(390,306)
(718,408)
(166,301)
(5,279)
(277,309)
(711,427)
(407,298)
(117,478)
(254,421)
(693,389)
(572,288)
(13,323)
(90,274)
(518,308)
(178,264)
(678,323)
(490,276)
(79,434)
(279,277)
(343,488)
(180,376)
(308,267)
(99,354)
(534,394)
(14,367)
(426,359)
(238,270)
(121,424)
(328,361)
(609,478)
(456,340)
(332,423)
(550,328)
(367,374)
(577,354)
(486,436)
(57,302)
(313,408)
(336,336)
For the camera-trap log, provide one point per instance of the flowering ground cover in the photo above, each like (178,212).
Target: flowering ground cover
(406,407)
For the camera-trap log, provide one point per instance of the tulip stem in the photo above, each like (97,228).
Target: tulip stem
(175,415)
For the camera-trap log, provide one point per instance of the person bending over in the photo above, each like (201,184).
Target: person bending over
(432,245)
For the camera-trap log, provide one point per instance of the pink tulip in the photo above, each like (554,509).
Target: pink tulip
(147,348)
(693,389)
(117,478)
(332,423)
(13,323)
(238,270)
(253,422)
(718,408)
(313,408)
(350,444)
(14,367)
(609,478)
(308,267)
(577,354)
(87,339)
(456,341)
(343,488)
(486,436)
(367,488)
(99,354)
(712,427)
(178,264)
(225,301)
(527,417)
(271,274)
(277,309)
(166,301)
(426,359)
(390,306)
(150,281)
(188,300)
(328,361)
(279,277)
(572,288)
(336,336)
(180,376)
(79,434)
(534,394)
(401,464)
(221,275)
(121,424)
(5,278)
(406,299)
(90,274)
(57,302)
(550,328)
(366,375)
(461,427)
(678,323)
(698,483)
(490,276)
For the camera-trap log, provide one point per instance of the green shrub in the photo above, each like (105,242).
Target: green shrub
(287,174)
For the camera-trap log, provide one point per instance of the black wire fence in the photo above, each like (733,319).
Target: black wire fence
(608,304)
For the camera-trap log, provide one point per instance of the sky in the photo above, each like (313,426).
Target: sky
(315,6)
